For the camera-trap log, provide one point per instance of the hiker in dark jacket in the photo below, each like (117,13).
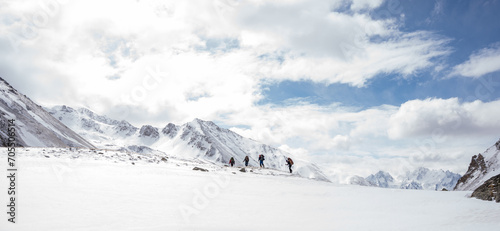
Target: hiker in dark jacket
(289,162)
(261,160)
(246,160)
(231,161)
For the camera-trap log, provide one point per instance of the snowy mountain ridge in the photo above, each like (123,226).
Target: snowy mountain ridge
(198,139)
(481,168)
(420,178)
(33,125)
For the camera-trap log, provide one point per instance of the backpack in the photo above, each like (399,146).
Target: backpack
(290,161)
(261,157)
(246,158)
(231,160)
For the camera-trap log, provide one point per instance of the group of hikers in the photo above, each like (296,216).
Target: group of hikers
(289,162)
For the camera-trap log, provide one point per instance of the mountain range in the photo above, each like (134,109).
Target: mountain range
(63,126)
(198,139)
(421,178)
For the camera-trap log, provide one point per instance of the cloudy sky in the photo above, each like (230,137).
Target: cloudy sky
(354,85)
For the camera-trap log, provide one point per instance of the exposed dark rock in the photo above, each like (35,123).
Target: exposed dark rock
(90,125)
(149,131)
(64,108)
(200,169)
(125,127)
(476,164)
(243,170)
(170,130)
(489,191)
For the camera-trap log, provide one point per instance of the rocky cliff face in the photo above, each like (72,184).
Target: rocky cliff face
(149,131)
(481,168)
(489,191)
(170,130)
(476,166)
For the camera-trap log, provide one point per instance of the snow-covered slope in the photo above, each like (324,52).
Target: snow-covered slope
(381,179)
(421,178)
(100,130)
(33,125)
(197,139)
(482,167)
(62,190)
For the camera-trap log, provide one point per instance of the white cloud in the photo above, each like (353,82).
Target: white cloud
(365,4)
(405,55)
(480,63)
(441,118)
(102,55)
(437,12)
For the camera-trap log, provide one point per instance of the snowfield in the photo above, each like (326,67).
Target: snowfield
(63,189)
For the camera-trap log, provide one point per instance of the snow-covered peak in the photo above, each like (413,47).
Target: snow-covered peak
(430,179)
(202,126)
(65,111)
(170,130)
(381,179)
(149,131)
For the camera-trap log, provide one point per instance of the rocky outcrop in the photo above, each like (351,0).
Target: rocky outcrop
(200,169)
(90,125)
(489,191)
(476,165)
(481,168)
(170,130)
(149,131)
(124,127)
(142,150)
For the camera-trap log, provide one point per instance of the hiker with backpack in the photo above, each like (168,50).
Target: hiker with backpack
(231,161)
(289,162)
(246,160)
(261,160)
